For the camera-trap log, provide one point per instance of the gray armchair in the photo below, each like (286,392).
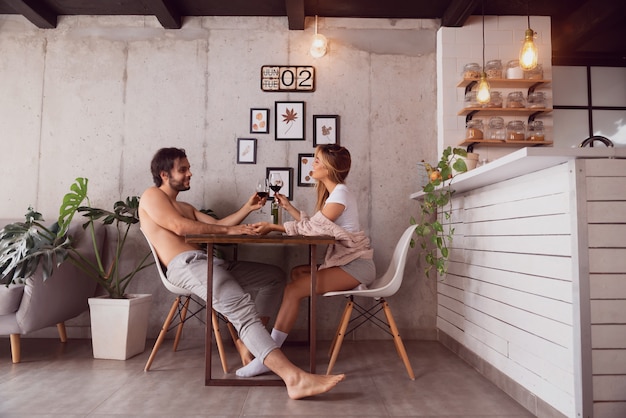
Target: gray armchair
(38,304)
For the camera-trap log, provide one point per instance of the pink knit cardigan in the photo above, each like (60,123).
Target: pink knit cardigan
(349,245)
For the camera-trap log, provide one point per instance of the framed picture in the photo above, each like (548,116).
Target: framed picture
(325,129)
(305,166)
(289,121)
(286,174)
(246,151)
(259,121)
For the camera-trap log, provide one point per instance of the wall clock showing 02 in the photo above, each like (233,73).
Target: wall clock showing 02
(298,78)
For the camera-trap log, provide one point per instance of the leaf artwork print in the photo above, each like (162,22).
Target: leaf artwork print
(326,131)
(289,117)
(260,123)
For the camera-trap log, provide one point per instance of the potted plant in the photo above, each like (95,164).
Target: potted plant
(434,231)
(25,246)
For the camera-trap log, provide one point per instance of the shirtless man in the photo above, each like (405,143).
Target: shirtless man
(166,221)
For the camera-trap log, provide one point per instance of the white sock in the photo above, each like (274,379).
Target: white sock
(256,366)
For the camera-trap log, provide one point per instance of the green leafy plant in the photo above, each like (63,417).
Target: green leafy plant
(24,246)
(434,230)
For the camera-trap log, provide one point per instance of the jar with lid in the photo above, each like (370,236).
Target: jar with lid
(495,99)
(495,128)
(474,129)
(471,100)
(471,71)
(536,100)
(493,69)
(515,131)
(515,100)
(534,74)
(535,131)
(513,70)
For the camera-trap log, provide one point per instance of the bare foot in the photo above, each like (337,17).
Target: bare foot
(244,353)
(306,384)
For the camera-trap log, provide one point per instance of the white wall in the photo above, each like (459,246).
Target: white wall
(97,96)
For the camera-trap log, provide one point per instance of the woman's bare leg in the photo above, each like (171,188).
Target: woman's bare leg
(330,279)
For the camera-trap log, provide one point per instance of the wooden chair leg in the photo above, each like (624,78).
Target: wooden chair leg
(218,341)
(15,348)
(338,331)
(397,340)
(179,329)
(62,332)
(163,332)
(341,332)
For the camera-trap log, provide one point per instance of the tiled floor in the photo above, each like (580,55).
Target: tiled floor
(56,379)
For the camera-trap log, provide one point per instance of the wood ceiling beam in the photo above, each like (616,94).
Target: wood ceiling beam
(295,14)
(36,12)
(167,13)
(458,11)
(585,22)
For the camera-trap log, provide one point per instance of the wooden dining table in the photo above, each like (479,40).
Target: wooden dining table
(276,239)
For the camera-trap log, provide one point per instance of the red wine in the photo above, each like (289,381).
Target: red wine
(262,194)
(275,188)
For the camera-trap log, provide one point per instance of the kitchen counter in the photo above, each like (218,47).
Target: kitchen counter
(523,161)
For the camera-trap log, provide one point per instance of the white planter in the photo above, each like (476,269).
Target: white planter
(119,326)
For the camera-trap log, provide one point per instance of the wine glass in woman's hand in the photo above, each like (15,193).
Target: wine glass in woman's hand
(276,182)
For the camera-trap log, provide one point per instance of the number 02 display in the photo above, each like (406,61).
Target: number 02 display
(287,78)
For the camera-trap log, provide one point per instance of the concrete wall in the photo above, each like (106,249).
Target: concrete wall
(97,96)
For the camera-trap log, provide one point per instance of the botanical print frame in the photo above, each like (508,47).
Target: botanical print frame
(246,150)
(259,121)
(305,166)
(289,120)
(286,173)
(325,129)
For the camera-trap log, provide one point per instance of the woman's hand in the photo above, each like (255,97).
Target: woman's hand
(283,202)
(263,228)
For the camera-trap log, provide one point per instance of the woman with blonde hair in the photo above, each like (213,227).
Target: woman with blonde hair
(347,264)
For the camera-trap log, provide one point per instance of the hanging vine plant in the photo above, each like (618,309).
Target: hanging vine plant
(434,230)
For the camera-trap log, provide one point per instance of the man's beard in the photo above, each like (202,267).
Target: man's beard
(179,186)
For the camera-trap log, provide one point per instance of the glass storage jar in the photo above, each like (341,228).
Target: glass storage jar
(471,100)
(535,131)
(515,131)
(515,100)
(474,129)
(536,100)
(495,128)
(513,70)
(493,69)
(495,100)
(534,74)
(471,71)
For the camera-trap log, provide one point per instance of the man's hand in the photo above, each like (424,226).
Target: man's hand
(241,230)
(255,202)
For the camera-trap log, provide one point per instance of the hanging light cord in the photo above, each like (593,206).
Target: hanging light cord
(483,6)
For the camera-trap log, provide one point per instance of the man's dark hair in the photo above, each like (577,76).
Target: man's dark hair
(163,160)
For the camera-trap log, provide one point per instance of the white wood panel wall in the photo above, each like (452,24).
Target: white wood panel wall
(508,294)
(605,182)
(537,283)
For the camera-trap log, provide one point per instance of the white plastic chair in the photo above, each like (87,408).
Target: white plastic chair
(384,286)
(179,309)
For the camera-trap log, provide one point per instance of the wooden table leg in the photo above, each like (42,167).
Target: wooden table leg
(209,310)
(312,308)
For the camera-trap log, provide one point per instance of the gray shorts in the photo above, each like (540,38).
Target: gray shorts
(361,269)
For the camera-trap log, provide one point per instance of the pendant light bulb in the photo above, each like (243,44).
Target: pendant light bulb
(483,94)
(319,44)
(528,54)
